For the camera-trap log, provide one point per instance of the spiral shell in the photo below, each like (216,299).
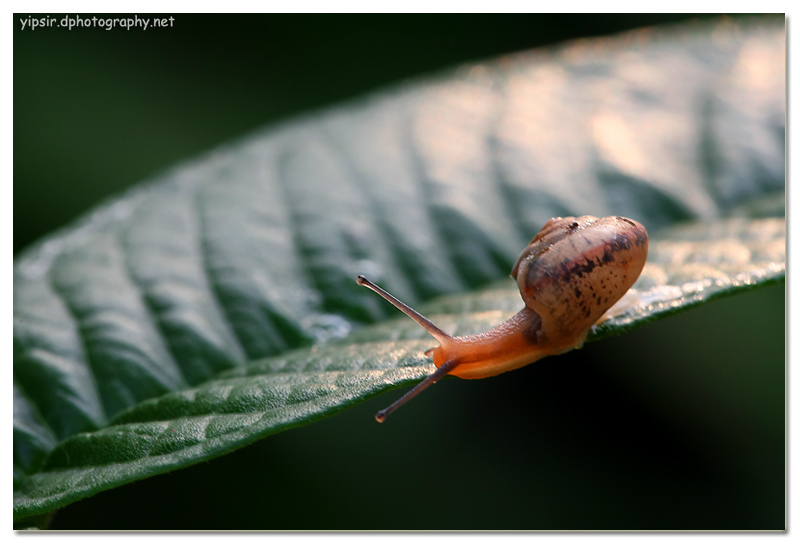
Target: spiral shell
(575,269)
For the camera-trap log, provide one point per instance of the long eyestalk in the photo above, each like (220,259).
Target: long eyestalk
(431,328)
(381,415)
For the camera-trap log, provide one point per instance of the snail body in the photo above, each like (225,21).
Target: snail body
(569,275)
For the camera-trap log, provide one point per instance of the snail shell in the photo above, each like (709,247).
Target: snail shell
(575,269)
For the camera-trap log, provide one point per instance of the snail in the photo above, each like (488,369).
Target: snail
(569,275)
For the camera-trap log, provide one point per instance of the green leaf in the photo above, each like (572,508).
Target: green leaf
(216,304)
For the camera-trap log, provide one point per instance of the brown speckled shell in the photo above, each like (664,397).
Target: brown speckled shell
(577,268)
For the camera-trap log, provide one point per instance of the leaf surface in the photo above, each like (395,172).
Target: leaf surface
(216,304)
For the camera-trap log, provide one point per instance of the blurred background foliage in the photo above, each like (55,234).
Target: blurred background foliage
(96,111)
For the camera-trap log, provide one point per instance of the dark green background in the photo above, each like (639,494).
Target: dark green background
(96,111)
